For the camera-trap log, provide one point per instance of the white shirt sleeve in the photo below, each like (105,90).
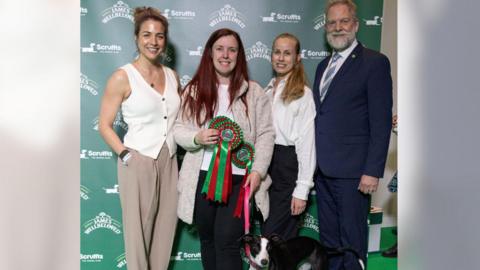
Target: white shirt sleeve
(305,146)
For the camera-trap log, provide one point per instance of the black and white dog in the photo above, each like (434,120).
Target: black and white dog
(277,254)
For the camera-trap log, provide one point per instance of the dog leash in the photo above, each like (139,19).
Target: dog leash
(246,209)
(246,224)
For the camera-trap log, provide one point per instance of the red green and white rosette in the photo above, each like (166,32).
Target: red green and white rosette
(217,121)
(218,183)
(243,158)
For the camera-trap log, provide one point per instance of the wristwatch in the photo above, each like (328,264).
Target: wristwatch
(124,156)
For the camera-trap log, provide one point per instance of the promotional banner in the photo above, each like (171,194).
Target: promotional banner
(107,42)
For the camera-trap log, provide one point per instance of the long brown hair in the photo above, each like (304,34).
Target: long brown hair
(202,89)
(294,88)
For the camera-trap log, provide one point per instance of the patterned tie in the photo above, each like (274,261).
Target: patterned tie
(329,76)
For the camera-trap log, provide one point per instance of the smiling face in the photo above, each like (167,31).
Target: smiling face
(224,57)
(284,56)
(151,40)
(341,26)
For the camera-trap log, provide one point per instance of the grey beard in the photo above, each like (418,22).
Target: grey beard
(340,45)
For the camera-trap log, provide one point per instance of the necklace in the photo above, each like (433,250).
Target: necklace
(154,75)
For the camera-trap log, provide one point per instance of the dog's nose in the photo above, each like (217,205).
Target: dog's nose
(264,261)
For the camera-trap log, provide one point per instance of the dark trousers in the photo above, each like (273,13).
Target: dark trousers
(284,171)
(342,217)
(219,231)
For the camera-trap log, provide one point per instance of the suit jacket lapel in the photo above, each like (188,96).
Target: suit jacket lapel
(354,55)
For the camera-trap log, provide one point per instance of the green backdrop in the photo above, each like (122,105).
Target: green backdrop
(107,43)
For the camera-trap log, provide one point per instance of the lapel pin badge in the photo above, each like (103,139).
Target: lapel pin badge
(354,56)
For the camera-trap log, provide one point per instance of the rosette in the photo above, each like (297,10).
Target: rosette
(218,183)
(243,158)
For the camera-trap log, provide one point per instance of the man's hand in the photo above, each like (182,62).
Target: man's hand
(253,179)
(368,184)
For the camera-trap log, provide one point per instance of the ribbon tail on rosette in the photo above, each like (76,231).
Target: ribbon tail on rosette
(218,182)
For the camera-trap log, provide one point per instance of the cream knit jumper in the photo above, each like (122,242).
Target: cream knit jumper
(257,129)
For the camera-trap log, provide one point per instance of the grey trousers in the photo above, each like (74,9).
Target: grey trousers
(148,196)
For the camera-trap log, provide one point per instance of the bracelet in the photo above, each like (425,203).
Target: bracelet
(123,154)
(126,158)
(195,140)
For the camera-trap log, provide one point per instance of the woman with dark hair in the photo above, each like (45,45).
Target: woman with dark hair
(293,161)
(146,92)
(220,87)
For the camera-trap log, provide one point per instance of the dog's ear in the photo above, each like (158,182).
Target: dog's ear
(275,238)
(246,239)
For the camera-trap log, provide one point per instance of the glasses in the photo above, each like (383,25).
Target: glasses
(343,22)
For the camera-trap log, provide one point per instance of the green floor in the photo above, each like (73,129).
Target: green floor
(375,259)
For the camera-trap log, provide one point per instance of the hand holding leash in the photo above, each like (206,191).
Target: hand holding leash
(253,180)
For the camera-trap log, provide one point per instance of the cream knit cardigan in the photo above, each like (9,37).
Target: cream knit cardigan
(257,129)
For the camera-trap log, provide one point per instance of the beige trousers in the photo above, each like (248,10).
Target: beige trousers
(148,196)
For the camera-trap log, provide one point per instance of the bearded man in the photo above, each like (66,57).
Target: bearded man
(353,99)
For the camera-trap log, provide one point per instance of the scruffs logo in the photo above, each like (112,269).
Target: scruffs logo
(91,257)
(185,256)
(227,14)
(197,52)
(89,154)
(90,85)
(179,14)
(121,261)
(84,191)
(284,18)
(259,50)
(117,123)
(102,221)
(83,11)
(319,22)
(310,54)
(376,21)
(310,222)
(185,80)
(112,190)
(101,48)
(118,10)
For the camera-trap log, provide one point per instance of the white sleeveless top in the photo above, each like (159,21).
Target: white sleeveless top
(149,115)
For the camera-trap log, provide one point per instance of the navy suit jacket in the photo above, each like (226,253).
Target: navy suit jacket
(353,123)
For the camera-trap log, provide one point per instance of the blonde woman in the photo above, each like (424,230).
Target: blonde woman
(293,160)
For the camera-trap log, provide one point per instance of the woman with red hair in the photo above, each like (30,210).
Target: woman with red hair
(220,87)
